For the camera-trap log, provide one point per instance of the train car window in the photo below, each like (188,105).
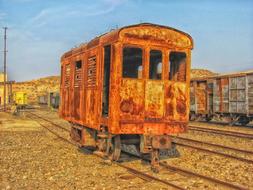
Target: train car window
(177,66)
(132,62)
(78,73)
(155,64)
(78,64)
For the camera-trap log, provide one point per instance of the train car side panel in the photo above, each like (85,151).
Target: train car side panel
(250,94)
(92,90)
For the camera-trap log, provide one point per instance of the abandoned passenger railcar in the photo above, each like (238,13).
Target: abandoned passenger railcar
(128,86)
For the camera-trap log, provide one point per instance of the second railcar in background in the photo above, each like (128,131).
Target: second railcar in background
(128,86)
(53,99)
(227,96)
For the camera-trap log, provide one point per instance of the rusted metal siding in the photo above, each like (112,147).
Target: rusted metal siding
(225,95)
(65,90)
(132,100)
(137,106)
(216,96)
(201,96)
(177,102)
(221,95)
(154,99)
(237,95)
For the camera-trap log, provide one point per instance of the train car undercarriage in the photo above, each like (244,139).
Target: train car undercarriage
(232,119)
(110,146)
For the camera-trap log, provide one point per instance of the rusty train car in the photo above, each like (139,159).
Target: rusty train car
(227,96)
(128,86)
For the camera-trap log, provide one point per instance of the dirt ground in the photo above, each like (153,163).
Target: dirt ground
(33,158)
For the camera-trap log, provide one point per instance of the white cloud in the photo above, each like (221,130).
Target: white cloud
(52,14)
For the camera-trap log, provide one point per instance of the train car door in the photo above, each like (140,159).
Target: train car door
(78,76)
(66,82)
(106,80)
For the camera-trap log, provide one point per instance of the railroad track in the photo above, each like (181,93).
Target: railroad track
(137,173)
(221,132)
(141,174)
(180,143)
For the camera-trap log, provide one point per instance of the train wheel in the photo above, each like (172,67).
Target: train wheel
(114,147)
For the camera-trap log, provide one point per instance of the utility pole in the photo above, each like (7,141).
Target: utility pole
(5,78)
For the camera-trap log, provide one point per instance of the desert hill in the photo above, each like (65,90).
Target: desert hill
(201,73)
(38,87)
(42,86)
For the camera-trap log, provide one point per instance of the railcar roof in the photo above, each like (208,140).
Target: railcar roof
(114,34)
(233,74)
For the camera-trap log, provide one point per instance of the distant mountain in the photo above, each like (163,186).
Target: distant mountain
(38,87)
(201,73)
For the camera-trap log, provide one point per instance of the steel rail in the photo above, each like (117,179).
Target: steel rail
(215,152)
(185,171)
(221,132)
(49,121)
(135,172)
(231,185)
(215,145)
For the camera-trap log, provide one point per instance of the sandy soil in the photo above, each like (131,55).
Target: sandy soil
(33,158)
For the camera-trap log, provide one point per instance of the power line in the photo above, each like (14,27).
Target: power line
(5,56)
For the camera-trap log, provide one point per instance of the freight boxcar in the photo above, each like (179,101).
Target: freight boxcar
(53,100)
(227,96)
(128,86)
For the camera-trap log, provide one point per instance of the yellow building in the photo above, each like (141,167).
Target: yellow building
(20,98)
(8,90)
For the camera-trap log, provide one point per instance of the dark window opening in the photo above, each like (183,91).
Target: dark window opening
(106,80)
(177,66)
(132,62)
(78,65)
(78,73)
(155,64)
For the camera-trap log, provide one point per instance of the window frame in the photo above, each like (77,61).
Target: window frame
(150,48)
(143,59)
(168,64)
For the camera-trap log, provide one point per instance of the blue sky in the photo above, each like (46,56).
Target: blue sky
(40,31)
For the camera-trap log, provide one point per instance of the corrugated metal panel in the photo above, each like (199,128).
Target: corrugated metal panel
(241,82)
(216,97)
(237,95)
(241,96)
(232,107)
(201,95)
(232,83)
(241,107)
(192,98)
(233,95)
(225,95)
